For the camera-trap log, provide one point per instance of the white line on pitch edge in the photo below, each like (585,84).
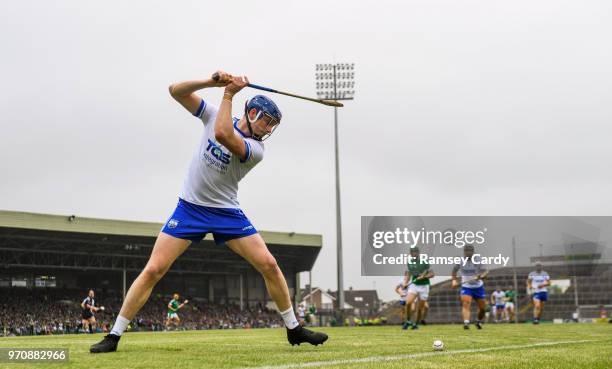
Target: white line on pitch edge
(411,356)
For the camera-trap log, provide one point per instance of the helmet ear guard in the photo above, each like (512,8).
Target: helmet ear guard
(248,118)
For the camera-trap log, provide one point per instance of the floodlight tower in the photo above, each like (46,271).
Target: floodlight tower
(336,82)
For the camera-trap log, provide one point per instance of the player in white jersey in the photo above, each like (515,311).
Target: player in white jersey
(498,300)
(229,149)
(472,287)
(537,282)
(302,314)
(401,288)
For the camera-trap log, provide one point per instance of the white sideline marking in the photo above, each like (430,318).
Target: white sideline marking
(411,356)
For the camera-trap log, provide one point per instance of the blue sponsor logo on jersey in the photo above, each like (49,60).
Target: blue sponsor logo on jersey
(216,151)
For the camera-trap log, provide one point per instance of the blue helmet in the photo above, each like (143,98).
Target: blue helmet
(264,107)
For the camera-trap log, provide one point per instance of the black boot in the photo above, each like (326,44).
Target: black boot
(108,344)
(300,334)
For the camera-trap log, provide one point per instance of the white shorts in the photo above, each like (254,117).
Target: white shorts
(422,291)
(509,305)
(172,316)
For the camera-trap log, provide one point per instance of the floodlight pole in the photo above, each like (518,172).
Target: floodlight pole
(124,278)
(515,279)
(335,95)
(338,214)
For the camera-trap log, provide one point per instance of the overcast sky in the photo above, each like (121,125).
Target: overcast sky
(461,108)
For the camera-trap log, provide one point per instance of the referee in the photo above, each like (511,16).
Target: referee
(87,313)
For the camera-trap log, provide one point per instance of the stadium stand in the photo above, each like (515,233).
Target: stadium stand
(57,311)
(48,262)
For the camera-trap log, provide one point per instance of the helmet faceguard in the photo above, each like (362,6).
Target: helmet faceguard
(266,108)
(270,127)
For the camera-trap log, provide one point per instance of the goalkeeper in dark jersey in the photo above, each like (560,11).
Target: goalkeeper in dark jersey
(173,307)
(88,308)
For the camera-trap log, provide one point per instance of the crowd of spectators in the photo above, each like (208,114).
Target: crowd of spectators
(57,311)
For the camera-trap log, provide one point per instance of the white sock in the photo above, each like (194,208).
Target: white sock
(466,322)
(120,325)
(289,318)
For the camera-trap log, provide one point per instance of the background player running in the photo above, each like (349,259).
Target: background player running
(424,311)
(538,281)
(402,290)
(510,296)
(88,308)
(173,307)
(302,314)
(472,287)
(498,299)
(229,148)
(420,273)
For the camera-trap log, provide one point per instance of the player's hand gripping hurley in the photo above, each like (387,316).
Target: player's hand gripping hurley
(224,79)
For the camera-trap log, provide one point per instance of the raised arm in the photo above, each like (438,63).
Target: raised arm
(224,126)
(184,92)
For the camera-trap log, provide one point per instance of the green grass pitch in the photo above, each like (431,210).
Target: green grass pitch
(496,346)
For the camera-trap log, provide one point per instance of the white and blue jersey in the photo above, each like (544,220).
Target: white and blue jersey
(538,278)
(499,297)
(469,284)
(208,202)
(214,173)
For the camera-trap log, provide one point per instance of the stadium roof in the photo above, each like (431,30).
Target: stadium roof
(73,223)
(32,240)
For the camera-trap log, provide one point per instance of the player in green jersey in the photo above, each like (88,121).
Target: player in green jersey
(510,296)
(419,273)
(173,307)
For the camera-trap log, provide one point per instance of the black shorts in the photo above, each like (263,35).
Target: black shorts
(86,314)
